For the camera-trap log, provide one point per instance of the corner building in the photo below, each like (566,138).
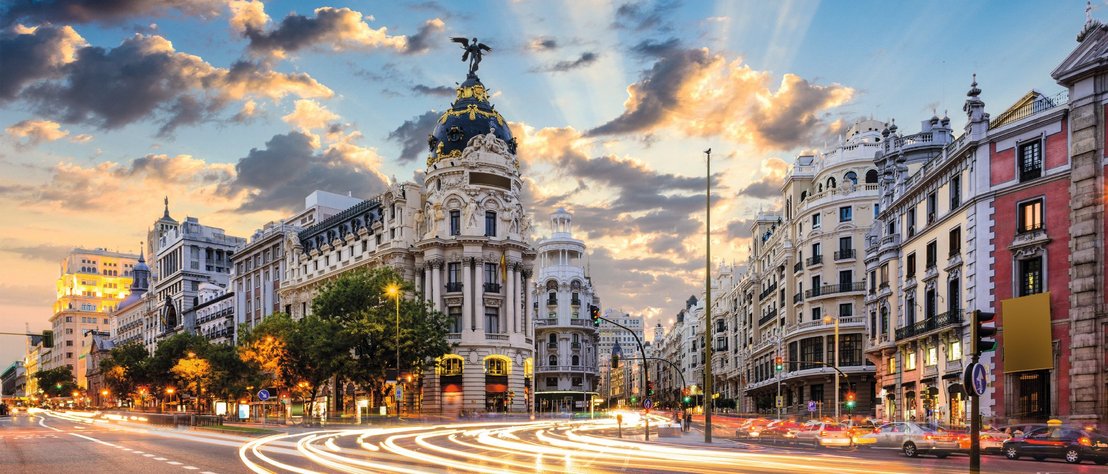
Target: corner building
(462,238)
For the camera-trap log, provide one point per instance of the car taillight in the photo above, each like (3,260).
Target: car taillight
(1084,441)
(877,430)
(822,433)
(928,437)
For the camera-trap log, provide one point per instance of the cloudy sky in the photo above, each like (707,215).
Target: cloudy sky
(237,109)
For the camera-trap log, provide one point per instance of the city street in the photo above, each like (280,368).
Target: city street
(48,442)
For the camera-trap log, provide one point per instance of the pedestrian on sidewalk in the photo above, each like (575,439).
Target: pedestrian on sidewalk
(688,421)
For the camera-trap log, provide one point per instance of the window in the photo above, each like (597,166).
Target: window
(1030,160)
(816,250)
(929,303)
(953,296)
(455,313)
(552,339)
(892,365)
(490,224)
(1030,216)
(492,320)
(850,176)
(850,349)
(932,207)
(846,214)
(450,366)
(884,275)
(910,360)
(576,381)
(454,273)
(817,313)
(955,192)
(932,254)
(552,381)
(575,360)
(910,221)
(932,356)
(811,350)
(846,309)
(455,222)
(552,360)
(815,221)
(955,241)
(954,350)
(496,366)
(910,267)
(1031,276)
(910,311)
(491,275)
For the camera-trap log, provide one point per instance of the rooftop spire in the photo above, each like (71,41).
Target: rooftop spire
(166,215)
(974,91)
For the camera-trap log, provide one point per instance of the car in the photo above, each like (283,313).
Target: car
(912,439)
(1071,444)
(1013,431)
(858,429)
(784,429)
(823,434)
(991,440)
(750,426)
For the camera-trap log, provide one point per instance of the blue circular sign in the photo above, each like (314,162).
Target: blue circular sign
(980,382)
(647,403)
(263,394)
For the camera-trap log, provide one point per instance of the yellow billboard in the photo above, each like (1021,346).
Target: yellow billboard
(1026,333)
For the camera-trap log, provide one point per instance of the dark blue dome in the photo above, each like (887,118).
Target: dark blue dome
(469,116)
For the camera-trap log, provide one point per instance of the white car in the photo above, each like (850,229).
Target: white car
(913,439)
(823,434)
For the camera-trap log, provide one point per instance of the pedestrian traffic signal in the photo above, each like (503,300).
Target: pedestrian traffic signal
(983,336)
(779,363)
(47,338)
(650,388)
(594,313)
(850,400)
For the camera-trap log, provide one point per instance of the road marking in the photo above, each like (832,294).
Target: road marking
(191,468)
(173,463)
(207,472)
(136,451)
(105,443)
(160,459)
(42,422)
(148,455)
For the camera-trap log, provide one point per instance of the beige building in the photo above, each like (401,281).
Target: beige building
(92,283)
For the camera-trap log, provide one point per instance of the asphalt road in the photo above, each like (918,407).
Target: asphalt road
(51,443)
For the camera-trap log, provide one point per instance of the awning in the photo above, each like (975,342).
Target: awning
(1027,335)
(956,388)
(452,387)
(932,391)
(496,388)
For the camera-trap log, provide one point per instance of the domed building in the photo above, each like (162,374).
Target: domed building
(462,237)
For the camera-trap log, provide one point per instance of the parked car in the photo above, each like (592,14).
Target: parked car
(858,429)
(751,426)
(823,434)
(1013,431)
(1071,444)
(784,429)
(913,439)
(991,440)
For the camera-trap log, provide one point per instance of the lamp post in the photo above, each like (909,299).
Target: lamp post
(828,320)
(393,290)
(708,299)
(103,397)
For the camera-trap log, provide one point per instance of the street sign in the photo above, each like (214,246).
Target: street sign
(263,394)
(812,406)
(399,392)
(976,377)
(647,403)
(780,401)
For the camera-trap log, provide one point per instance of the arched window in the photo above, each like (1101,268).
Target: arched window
(495,365)
(552,360)
(850,176)
(528,367)
(576,360)
(871,177)
(450,365)
(831,183)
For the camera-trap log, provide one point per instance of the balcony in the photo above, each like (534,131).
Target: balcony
(575,346)
(453,287)
(579,322)
(768,291)
(815,260)
(767,317)
(496,337)
(551,346)
(454,336)
(546,322)
(798,297)
(575,302)
(953,366)
(552,301)
(492,287)
(952,318)
(835,288)
(798,267)
(844,254)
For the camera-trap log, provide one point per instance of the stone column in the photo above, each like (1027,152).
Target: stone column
(425,284)
(525,275)
(509,298)
(467,291)
(478,293)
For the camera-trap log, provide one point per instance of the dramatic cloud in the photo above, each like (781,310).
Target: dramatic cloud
(426,37)
(291,166)
(309,115)
(655,49)
(30,54)
(338,29)
(645,16)
(143,77)
(103,11)
(442,91)
(769,185)
(247,15)
(704,94)
(412,136)
(586,59)
(33,132)
(46,252)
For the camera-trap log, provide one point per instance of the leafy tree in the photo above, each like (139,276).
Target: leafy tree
(125,368)
(230,374)
(360,303)
(56,382)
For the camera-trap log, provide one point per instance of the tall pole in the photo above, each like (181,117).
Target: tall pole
(708,300)
(779,372)
(397,350)
(837,368)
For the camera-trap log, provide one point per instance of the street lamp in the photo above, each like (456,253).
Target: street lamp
(828,319)
(393,290)
(168,391)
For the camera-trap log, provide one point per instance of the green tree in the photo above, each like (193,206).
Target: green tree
(125,368)
(230,374)
(360,302)
(168,354)
(56,382)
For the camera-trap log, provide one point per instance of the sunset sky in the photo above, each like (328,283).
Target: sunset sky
(104,111)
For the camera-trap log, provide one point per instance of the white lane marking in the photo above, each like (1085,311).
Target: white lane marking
(42,422)
(191,468)
(105,443)
(148,455)
(207,472)
(173,463)
(136,451)
(160,459)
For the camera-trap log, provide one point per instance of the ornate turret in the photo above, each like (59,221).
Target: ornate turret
(140,281)
(470,115)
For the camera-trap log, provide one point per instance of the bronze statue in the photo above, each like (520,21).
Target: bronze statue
(473,52)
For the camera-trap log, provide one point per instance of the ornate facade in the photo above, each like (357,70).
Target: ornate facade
(462,237)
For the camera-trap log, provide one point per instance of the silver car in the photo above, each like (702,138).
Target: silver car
(913,439)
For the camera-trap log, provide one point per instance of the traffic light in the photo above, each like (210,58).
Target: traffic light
(850,400)
(779,363)
(615,361)
(650,388)
(634,399)
(687,399)
(47,338)
(983,336)
(594,313)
